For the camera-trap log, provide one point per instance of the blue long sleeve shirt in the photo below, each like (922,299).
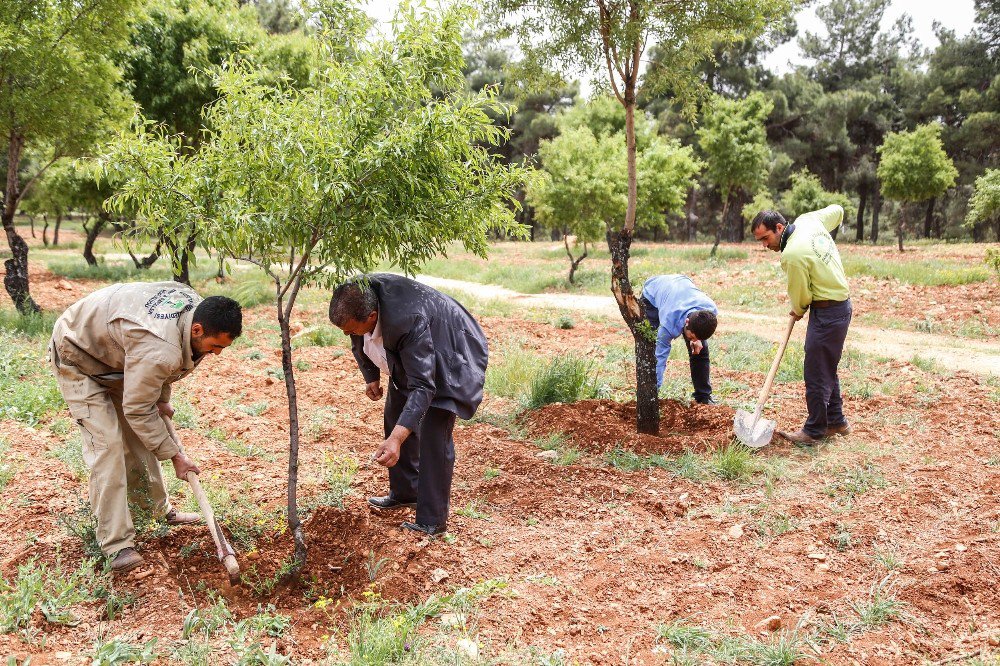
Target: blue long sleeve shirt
(675,297)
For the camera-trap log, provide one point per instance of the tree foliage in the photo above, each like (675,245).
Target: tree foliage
(807,194)
(984,206)
(914,165)
(384,158)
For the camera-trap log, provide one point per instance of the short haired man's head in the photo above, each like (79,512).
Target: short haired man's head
(354,308)
(767,227)
(217,321)
(701,324)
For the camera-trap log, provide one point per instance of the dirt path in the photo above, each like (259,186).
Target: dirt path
(952,352)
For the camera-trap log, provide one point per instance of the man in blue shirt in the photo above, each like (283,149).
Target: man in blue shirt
(675,307)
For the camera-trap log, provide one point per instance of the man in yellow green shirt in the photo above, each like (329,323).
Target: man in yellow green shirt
(816,282)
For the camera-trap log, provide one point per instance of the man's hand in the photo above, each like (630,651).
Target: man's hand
(374,391)
(796,317)
(166,409)
(387,453)
(183,465)
(696,347)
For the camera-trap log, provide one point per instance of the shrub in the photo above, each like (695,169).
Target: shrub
(567,379)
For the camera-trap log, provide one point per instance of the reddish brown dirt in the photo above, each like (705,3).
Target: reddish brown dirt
(596,557)
(603,425)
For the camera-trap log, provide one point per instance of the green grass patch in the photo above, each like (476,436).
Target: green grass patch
(512,373)
(28,391)
(734,462)
(856,481)
(52,590)
(321,336)
(244,519)
(928,272)
(692,644)
(337,473)
(880,608)
(566,379)
(70,453)
(557,442)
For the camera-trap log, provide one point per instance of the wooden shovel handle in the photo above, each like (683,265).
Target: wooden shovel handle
(766,390)
(222,548)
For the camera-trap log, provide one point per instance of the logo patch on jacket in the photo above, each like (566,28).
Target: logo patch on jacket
(169,304)
(823,246)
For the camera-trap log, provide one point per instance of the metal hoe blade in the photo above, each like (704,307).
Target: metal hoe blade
(754,433)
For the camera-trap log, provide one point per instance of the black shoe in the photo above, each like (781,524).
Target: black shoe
(430,530)
(706,401)
(388,502)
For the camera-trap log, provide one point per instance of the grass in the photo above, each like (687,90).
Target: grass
(512,375)
(880,608)
(856,481)
(337,473)
(70,453)
(692,644)
(889,558)
(557,441)
(734,462)
(28,391)
(321,336)
(7,468)
(566,379)
(244,519)
(473,510)
(930,272)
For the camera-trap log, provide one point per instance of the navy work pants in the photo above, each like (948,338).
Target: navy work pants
(426,460)
(701,367)
(824,346)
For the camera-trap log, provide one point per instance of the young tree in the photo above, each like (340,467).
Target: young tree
(914,167)
(580,190)
(384,158)
(58,93)
(734,141)
(807,193)
(984,206)
(610,38)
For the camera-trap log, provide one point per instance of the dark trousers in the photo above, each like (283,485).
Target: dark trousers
(426,460)
(700,363)
(824,346)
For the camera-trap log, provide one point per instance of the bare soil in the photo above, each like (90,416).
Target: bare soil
(596,557)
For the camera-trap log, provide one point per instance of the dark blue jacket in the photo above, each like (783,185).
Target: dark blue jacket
(435,349)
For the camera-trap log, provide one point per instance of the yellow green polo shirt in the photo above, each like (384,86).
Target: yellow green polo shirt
(811,261)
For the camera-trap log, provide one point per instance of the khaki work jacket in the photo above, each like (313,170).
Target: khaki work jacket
(134,338)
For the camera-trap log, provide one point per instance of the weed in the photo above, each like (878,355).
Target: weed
(256,409)
(857,481)
(564,322)
(337,473)
(51,590)
(685,636)
(630,461)
(7,469)
(374,566)
(321,419)
(566,379)
(266,621)
(734,462)
(926,364)
(206,621)
(244,519)
(472,510)
(70,453)
(889,558)
(687,466)
(512,375)
(841,538)
(880,608)
(321,336)
(28,392)
(83,525)
(116,652)
(262,585)
(489,473)
(184,413)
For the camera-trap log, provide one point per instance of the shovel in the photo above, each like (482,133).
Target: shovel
(223,550)
(750,429)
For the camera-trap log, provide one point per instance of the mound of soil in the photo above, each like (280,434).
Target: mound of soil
(604,425)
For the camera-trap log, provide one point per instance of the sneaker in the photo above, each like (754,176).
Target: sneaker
(175,517)
(430,530)
(389,502)
(126,559)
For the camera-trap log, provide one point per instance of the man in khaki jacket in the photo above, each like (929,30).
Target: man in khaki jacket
(115,354)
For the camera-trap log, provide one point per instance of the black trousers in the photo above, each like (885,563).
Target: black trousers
(426,460)
(701,367)
(824,346)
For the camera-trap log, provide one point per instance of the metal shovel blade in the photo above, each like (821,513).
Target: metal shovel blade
(755,433)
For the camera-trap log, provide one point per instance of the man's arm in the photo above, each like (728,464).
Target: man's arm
(799,288)
(416,353)
(832,217)
(663,344)
(148,366)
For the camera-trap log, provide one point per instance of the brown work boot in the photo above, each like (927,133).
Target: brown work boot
(842,429)
(126,559)
(798,437)
(175,517)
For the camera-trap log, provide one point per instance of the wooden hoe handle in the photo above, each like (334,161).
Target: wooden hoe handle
(223,550)
(766,390)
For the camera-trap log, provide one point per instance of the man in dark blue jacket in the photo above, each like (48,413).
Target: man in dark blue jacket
(434,355)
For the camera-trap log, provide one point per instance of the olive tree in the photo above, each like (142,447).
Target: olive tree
(384,158)
(914,167)
(610,39)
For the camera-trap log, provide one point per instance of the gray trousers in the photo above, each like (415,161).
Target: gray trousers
(426,460)
(824,346)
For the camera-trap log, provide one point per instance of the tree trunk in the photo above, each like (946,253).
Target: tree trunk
(719,227)
(45,230)
(31,223)
(97,225)
(294,524)
(691,217)
(899,226)
(182,271)
(876,209)
(15,279)
(55,233)
(859,236)
(146,262)
(647,405)
(929,217)
(573,263)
